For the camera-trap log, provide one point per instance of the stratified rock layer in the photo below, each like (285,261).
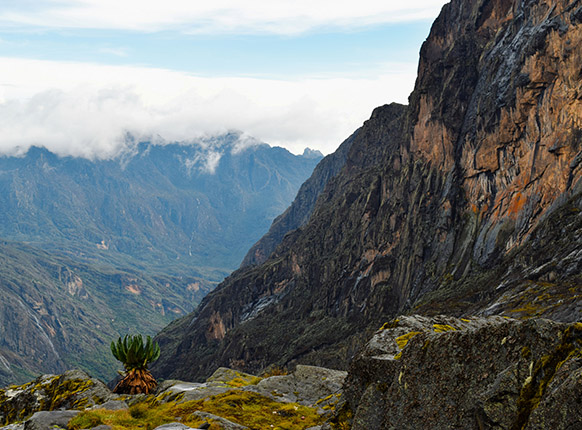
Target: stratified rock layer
(435,206)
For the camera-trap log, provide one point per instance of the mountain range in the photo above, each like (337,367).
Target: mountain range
(97,248)
(436,255)
(196,207)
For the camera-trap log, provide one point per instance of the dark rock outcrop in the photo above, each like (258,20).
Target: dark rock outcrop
(432,204)
(471,373)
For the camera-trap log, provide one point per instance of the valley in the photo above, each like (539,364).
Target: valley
(97,248)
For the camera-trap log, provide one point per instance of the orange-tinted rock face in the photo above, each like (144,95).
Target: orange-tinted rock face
(431,140)
(527,156)
(215,330)
(500,99)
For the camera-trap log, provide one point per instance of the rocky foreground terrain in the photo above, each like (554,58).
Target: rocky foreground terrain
(415,373)
(227,400)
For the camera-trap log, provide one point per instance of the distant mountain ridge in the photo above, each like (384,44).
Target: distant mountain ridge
(195,207)
(96,248)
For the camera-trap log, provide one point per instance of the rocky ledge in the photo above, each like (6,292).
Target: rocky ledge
(228,400)
(469,373)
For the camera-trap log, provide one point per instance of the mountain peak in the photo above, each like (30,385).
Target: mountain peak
(312,153)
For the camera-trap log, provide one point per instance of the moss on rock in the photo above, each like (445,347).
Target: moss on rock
(543,371)
(72,390)
(242,407)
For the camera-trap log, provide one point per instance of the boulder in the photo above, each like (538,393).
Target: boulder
(560,408)
(17,426)
(231,377)
(223,423)
(173,426)
(112,405)
(221,381)
(186,391)
(74,389)
(49,420)
(308,385)
(471,373)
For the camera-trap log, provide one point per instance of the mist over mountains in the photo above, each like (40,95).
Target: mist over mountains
(197,207)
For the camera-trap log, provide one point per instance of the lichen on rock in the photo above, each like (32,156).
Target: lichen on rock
(72,390)
(305,397)
(487,373)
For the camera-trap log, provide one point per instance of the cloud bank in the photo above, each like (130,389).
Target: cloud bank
(87,110)
(219,16)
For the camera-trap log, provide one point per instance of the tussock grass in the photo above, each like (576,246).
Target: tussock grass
(247,408)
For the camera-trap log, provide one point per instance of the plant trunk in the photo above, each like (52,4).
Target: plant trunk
(136,381)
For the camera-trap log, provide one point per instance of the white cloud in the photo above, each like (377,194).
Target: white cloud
(243,142)
(86,110)
(218,16)
(117,52)
(205,161)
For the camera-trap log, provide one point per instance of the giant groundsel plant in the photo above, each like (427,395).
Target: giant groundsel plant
(135,354)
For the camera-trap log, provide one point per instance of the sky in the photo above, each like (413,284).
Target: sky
(77,76)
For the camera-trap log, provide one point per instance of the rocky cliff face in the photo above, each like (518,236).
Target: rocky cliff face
(446,205)
(301,209)
(498,105)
